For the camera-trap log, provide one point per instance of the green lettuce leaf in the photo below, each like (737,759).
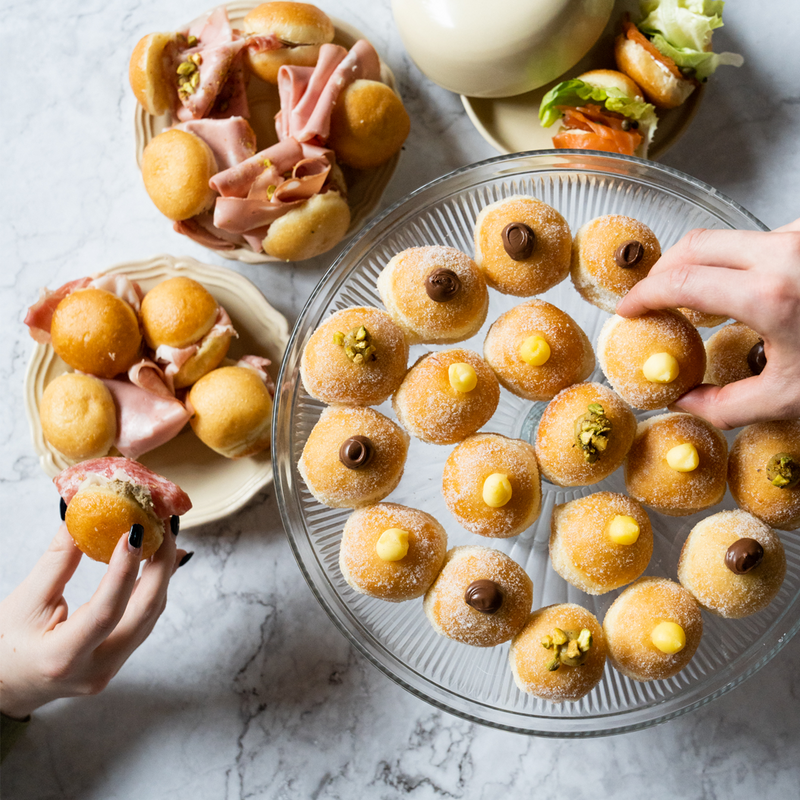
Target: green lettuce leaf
(682,29)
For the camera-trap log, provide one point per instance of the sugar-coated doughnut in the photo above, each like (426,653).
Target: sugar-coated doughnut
(764,472)
(436,294)
(481,597)
(651,360)
(357,357)
(559,672)
(732,563)
(491,485)
(632,620)
(702,319)
(600,542)
(734,353)
(522,245)
(391,552)
(435,403)
(584,435)
(353,457)
(532,368)
(677,464)
(610,255)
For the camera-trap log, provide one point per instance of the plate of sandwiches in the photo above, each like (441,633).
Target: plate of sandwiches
(265,132)
(209,337)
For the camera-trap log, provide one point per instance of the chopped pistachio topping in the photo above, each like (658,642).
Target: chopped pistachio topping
(357,344)
(186,68)
(271,191)
(267,162)
(592,430)
(783,471)
(192,41)
(571,647)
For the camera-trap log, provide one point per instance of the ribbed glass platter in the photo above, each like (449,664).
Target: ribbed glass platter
(477,683)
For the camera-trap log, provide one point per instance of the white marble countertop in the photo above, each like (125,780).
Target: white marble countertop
(245,689)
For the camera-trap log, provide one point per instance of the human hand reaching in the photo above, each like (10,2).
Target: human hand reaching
(46,654)
(753,277)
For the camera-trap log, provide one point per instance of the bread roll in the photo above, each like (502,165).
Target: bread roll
(147,73)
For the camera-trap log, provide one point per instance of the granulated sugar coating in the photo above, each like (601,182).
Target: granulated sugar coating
(430,409)
(571,356)
(747,472)
(560,458)
(395,581)
(401,285)
(652,481)
(702,569)
(468,467)
(334,484)
(702,319)
(629,623)
(625,344)
(547,265)
(595,272)
(726,354)
(448,611)
(583,553)
(330,376)
(529,659)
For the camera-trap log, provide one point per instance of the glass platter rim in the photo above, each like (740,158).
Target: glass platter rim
(749,661)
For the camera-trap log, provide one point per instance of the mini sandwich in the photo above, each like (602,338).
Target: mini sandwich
(299,30)
(669,52)
(600,110)
(232,410)
(106,496)
(186,328)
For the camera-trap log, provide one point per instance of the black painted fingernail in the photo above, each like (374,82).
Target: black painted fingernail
(185,558)
(63,509)
(136,536)
(174,524)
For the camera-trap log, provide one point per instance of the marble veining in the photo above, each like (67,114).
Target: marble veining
(246,689)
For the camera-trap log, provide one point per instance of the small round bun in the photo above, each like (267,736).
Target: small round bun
(749,477)
(703,567)
(702,319)
(562,460)
(176,168)
(78,416)
(465,474)
(94,331)
(303,26)
(430,409)
(625,345)
(583,553)
(232,411)
(610,255)
(333,369)
(651,480)
(612,79)
(369,124)
(436,294)
(521,264)
(530,661)
(312,228)
(98,516)
(342,473)
(177,312)
(147,76)
(491,580)
(396,580)
(727,354)
(661,87)
(629,624)
(571,358)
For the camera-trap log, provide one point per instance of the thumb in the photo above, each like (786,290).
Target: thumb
(739,403)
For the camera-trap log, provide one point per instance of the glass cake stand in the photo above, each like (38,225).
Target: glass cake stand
(476,683)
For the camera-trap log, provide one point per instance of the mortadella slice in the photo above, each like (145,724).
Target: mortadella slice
(231,140)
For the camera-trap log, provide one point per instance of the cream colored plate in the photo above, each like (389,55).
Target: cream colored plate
(364,187)
(511,124)
(216,485)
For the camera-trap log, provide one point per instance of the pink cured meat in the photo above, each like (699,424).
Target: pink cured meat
(168,499)
(144,420)
(231,101)
(292,83)
(259,364)
(231,140)
(147,375)
(245,214)
(198,232)
(236,181)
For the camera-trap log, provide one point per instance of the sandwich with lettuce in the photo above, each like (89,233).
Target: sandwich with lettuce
(600,110)
(668,53)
